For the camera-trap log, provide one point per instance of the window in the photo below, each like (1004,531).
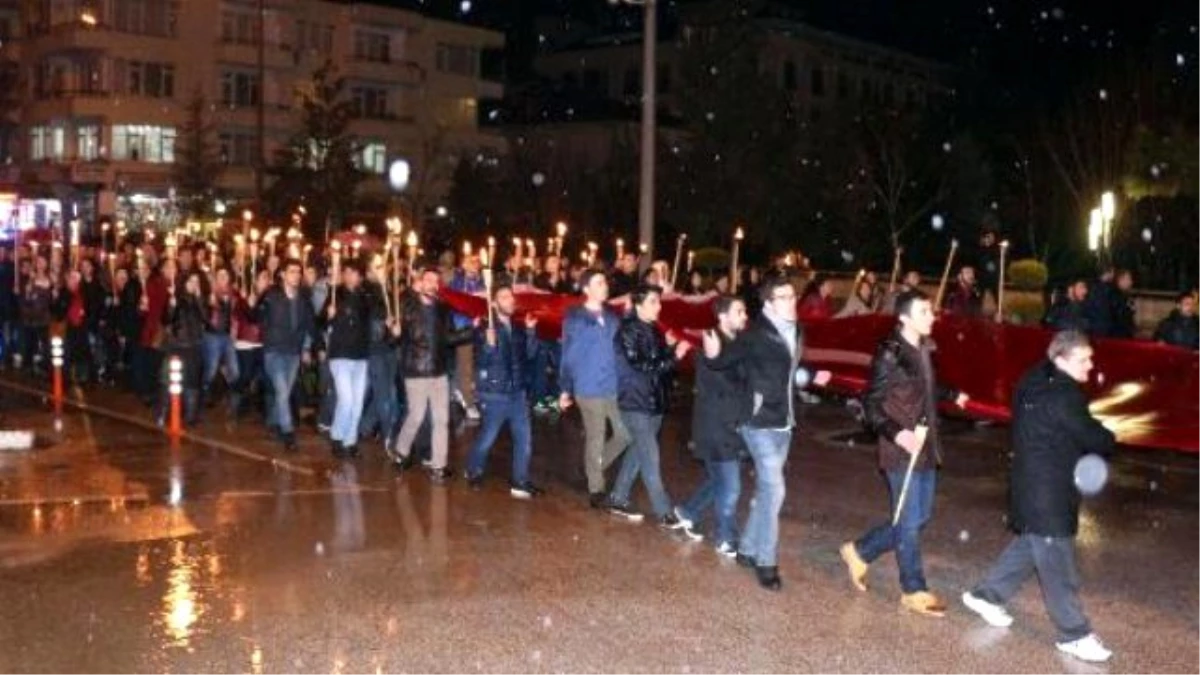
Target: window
(314,36)
(239,89)
(458,59)
(818,81)
(145,17)
(664,80)
(843,85)
(240,28)
(47,142)
(141,78)
(143,143)
(789,76)
(633,81)
(87,142)
(370,102)
(373,158)
(372,46)
(239,148)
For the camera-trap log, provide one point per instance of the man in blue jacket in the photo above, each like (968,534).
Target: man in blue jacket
(588,375)
(503,354)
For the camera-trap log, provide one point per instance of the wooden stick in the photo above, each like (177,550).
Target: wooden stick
(937,305)
(733,269)
(1000,288)
(921,431)
(678,255)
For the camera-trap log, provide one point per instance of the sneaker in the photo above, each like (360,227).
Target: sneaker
(524,491)
(473,413)
(993,614)
(540,408)
(439,476)
(744,560)
(727,550)
(671,521)
(475,482)
(289,442)
(683,519)
(626,512)
(768,577)
(598,500)
(1086,648)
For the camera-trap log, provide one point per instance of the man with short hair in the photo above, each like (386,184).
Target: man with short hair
(503,354)
(1070,313)
(769,355)
(286,315)
(588,375)
(1181,327)
(965,298)
(1052,430)
(1121,307)
(900,406)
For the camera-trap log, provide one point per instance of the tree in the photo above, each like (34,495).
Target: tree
(198,164)
(318,167)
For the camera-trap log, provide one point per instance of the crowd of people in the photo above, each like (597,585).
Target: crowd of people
(378,354)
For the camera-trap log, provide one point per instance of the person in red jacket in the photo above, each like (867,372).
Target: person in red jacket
(817,301)
(151,306)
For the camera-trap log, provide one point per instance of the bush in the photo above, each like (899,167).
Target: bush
(1024,308)
(711,258)
(1028,275)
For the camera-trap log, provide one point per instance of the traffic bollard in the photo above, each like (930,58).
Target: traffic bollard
(175,389)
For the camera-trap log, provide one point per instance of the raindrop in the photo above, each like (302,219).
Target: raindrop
(710,116)
(947,147)
(465,6)
(713,70)
(1058,13)
(964,536)
(1180,59)
(538,178)
(937,222)
(319,549)
(1153,486)
(1100,378)
(847,256)
(1147,235)
(1103,94)
(546,622)
(1155,170)
(537,655)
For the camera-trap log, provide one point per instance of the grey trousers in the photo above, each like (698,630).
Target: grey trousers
(431,393)
(598,454)
(1053,559)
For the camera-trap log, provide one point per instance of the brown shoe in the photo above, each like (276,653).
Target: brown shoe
(923,602)
(855,565)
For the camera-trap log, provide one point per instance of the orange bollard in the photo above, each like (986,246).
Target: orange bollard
(175,389)
(56,384)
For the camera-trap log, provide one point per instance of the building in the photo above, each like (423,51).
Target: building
(104,86)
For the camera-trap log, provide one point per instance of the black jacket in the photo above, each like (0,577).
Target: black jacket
(349,331)
(769,370)
(287,324)
(1051,430)
(382,341)
(1179,330)
(504,368)
(720,407)
(426,337)
(1068,315)
(184,322)
(902,393)
(1124,324)
(644,365)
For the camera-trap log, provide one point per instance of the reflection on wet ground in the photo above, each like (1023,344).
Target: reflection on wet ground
(119,552)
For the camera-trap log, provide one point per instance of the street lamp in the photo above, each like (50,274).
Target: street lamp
(649,109)
(1108,207)
(1095,230)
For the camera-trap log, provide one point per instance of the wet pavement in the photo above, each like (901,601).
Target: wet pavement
(121,553)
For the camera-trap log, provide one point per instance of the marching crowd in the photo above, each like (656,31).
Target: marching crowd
(376,357)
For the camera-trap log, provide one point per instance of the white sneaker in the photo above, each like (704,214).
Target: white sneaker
(1086,648)
(473,413)
(684,521)
(727,550)
(993,614)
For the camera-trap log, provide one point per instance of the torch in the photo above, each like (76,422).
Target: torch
(1000,288)
(678,255)
(561,229)
(412,250)
(591,257)
(253,254)
(491,250)
(937,306)
(485,259)
(620,249)
(738,235)
(336,253)
(380,266)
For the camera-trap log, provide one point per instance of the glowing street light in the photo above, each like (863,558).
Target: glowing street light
(1095,230)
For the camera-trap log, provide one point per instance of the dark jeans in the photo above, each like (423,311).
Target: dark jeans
(35,340)
(250,373)
(545,361)
(642,459)
(1053,559)
(219,351)
(497,410)
(760,536)
(721,489)
(281,370)
(146,364)
(382,409)
(905,536)
(327,393)
(80,366)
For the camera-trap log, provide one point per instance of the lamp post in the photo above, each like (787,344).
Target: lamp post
(1108,212)
(649,109)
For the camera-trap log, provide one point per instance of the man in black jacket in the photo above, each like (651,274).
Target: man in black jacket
(285,313)
(900,406)
(426,336)
(716,414)
(1181,328)
(1052,429)
(769,355)
(349,315)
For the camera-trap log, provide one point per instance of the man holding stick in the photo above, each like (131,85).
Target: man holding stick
(901,407)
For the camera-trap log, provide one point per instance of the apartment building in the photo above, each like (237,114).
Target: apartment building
(104,87)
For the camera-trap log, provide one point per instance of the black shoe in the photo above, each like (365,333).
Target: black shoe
(745,560)
(403,463)
(598,500)
(352,450)
(289,442)
(475,482)
(768,578)
(624,511)
(439,476)
(670,522)
(525,490)
(339,450)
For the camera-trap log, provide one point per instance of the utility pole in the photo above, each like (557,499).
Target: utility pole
(260,169)
(649,111)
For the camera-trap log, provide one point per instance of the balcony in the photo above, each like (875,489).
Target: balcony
(403,73)
(275,56)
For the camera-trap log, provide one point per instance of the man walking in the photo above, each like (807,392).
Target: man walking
(719,409)
(1052,429)
(900,406)
(588,374)
(503,354)
(286,315)
(645,359)
(769,354)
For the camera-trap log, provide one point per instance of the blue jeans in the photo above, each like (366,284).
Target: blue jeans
(642,459)
(218,351)
(497,409)
(721,489)
(760,536)
(549,353)
(350,381)
(281,370)
(383,411)
(905,536)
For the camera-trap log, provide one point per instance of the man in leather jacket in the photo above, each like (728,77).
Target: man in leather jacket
(503,354)
(901,405)
(427,335)
(645,360)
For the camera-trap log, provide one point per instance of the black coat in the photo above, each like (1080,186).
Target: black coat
(1068,315)
(644,366)
(765,361)
(1124,324)
(288,324)
(504,368)
(721,406)
(1179,330)
(425,345)
(349,331)
(1051,430)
